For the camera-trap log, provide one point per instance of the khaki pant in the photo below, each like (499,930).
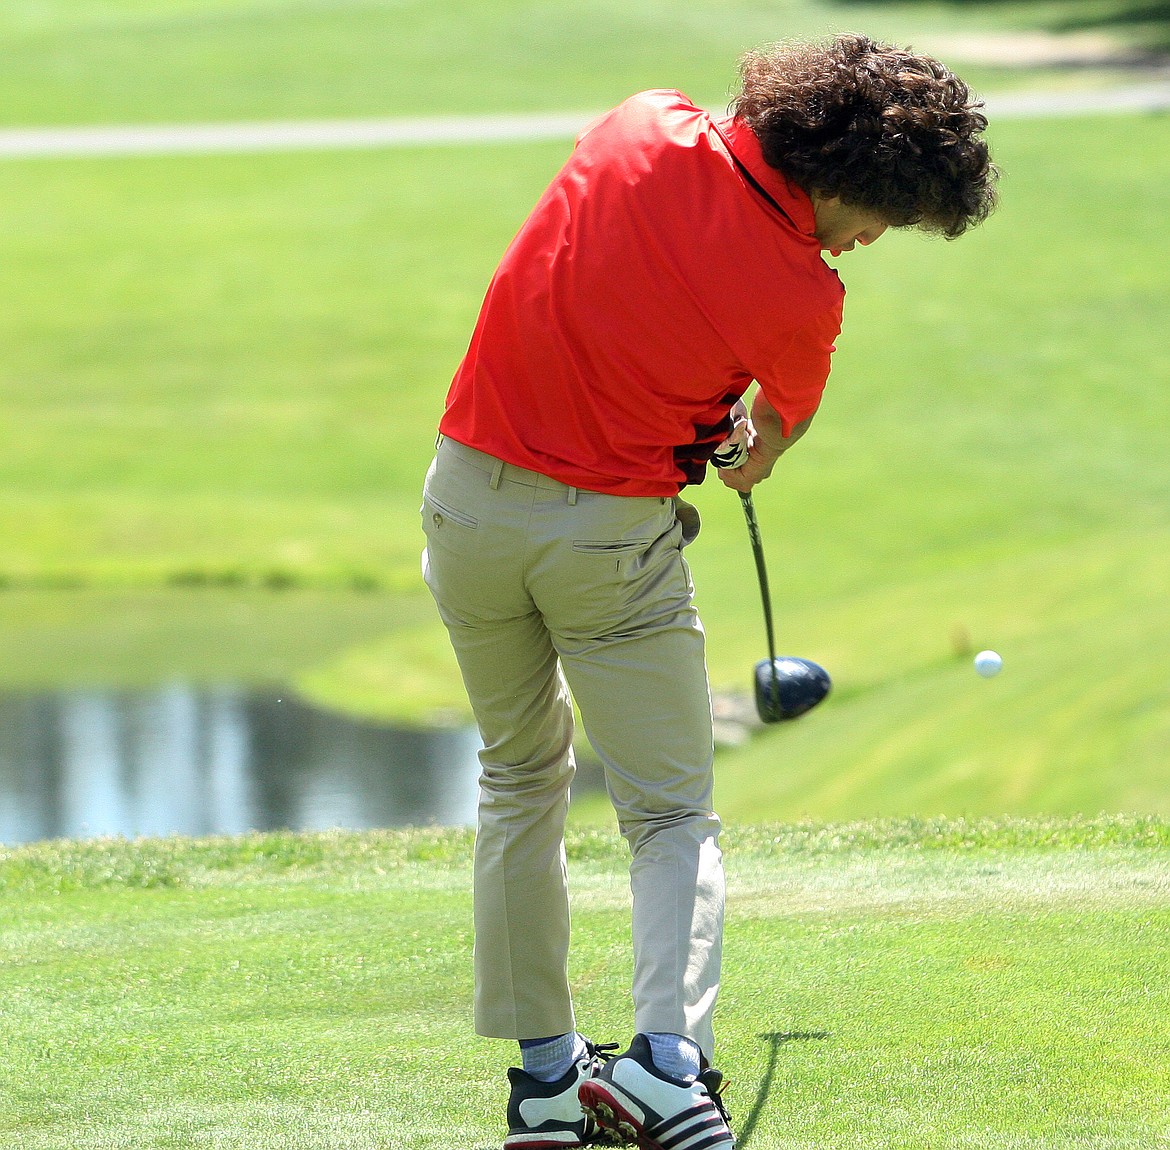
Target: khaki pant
(539,583)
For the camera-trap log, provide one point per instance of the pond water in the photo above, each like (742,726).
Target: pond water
(177,759)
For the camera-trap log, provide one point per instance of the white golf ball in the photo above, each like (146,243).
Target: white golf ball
(988,663)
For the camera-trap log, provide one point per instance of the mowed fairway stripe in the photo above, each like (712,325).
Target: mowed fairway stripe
(205,139)
(171,139)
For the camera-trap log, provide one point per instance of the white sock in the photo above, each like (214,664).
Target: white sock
(675,1055)
(548,1059)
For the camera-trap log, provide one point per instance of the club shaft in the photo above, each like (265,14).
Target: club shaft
(749,513)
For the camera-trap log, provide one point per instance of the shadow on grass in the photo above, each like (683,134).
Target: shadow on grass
(774,1041)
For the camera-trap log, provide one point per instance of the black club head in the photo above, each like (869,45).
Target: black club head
(797,686)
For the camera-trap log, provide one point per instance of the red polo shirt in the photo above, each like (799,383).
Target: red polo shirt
(665,268)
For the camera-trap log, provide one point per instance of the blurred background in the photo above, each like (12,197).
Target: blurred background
(224,351)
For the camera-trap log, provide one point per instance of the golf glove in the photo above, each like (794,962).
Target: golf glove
(733,451)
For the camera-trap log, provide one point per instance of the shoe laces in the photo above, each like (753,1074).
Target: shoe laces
(715,1084)
(601,1051)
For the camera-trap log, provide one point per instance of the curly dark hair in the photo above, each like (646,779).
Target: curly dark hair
(879,127)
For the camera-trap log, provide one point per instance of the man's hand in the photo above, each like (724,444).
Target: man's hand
(733,451)
(758,466)
(764,436)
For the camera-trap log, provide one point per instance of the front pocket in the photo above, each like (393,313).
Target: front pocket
(443,512)
(610,546)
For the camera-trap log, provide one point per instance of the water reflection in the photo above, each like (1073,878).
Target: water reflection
(179,760)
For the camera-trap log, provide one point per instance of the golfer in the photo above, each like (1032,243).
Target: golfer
(674,260)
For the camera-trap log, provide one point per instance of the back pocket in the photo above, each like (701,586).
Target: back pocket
(440,512)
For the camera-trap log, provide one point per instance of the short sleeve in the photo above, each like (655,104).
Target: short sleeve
(795,378)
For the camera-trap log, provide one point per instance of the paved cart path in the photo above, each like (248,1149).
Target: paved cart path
(212,139)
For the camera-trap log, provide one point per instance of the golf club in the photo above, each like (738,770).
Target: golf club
(785,687)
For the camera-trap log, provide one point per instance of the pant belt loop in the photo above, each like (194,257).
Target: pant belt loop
(497,474)
(572,497)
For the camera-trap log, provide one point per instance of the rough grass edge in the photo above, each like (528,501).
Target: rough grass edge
(200,575)
(347,857)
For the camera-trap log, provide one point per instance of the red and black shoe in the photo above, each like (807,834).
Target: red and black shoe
(633,1099)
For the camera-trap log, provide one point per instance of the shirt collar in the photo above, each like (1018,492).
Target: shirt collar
(744,145)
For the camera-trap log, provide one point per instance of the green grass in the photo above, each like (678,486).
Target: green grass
(226,372)
(248,372)
(221,377)
(944,983)
(987,471)
(140,638)
(101,61)
(217,396)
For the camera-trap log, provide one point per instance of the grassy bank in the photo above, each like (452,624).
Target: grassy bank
(938,984)
(221,377)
